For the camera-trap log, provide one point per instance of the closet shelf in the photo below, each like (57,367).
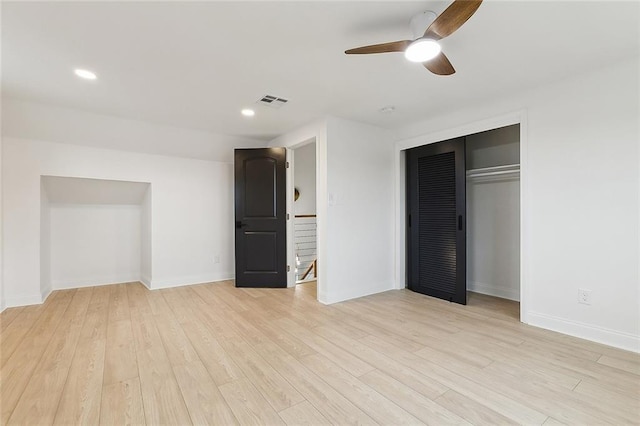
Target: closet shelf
(509,170)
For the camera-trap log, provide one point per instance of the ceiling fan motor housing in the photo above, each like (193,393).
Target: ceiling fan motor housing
(420,22)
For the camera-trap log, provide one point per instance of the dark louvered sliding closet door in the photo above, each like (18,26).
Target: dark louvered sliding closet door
(436,231)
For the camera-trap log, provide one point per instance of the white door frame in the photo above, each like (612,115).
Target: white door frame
(291,246)
(518,117)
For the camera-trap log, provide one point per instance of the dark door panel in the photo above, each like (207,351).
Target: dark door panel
(260,214)
(436,220)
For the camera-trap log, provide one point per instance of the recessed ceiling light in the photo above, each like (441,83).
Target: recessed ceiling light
(248,112)
(86,74)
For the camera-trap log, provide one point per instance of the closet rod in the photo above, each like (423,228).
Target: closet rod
(511,169)
(504,172)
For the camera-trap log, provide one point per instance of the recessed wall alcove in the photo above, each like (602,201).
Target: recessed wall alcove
(93,232)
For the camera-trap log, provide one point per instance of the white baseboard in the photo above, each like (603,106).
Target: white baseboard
(494,290)
(618,339)
(153,285)
(146,281)
(189,280)
(94,281)
(352,293)
(45,293)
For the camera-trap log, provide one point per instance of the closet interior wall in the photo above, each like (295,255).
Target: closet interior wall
(493,212)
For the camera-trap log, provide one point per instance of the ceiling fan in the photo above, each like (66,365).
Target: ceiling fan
(425,47)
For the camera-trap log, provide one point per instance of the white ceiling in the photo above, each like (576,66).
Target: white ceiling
(67,190)
(195,65)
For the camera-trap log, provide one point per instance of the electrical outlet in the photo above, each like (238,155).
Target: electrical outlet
(216,258)
(584,296)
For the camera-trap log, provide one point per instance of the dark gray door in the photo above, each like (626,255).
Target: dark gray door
(260,217)
(436,220)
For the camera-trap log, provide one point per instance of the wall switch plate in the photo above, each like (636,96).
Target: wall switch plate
(584,296)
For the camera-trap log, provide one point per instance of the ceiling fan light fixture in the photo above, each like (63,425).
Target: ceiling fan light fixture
(422,50)
(86,74)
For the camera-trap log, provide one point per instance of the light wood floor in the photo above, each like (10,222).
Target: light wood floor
(216,354)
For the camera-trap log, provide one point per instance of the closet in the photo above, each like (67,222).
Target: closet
(493,212)
(463,212)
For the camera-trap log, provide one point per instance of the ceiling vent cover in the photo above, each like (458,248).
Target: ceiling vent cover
(272,101)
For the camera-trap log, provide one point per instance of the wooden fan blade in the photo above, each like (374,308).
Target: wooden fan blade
(439,65)
(452,18)
(394,46)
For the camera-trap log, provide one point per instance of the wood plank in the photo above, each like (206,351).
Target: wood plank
(162,400)
(204,293)
(248,405)
(273,387)
(119,303)
(472,411)
(483,394)
(353,364)
(379,408)
(29,328)
(553,422)
(303,414)
(332,404)
(17,372)
(122,404)
(414,403)
(201,395)
(157,302)
(612,399)
(630,366)
(176,343)
(95,322)
(14,332)
(121,362)
(419,383)
(161,396)
(137,298)
(531,371)
(8,316)
(39,401)
(261,329)
(220,365)
(82,395)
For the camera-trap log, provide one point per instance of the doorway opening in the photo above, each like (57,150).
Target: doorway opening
(305,238)
(472,224)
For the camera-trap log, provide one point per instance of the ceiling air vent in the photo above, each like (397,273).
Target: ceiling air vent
(272,101)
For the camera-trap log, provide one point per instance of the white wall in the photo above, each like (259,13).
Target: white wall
(579,205)
(2,297)
(35,121)
(191,206)
(45,243)
(360,252)
(315,131)
(499,147)
(305,178)
(146,236)
(355,228)
(94,244)
(493,237)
